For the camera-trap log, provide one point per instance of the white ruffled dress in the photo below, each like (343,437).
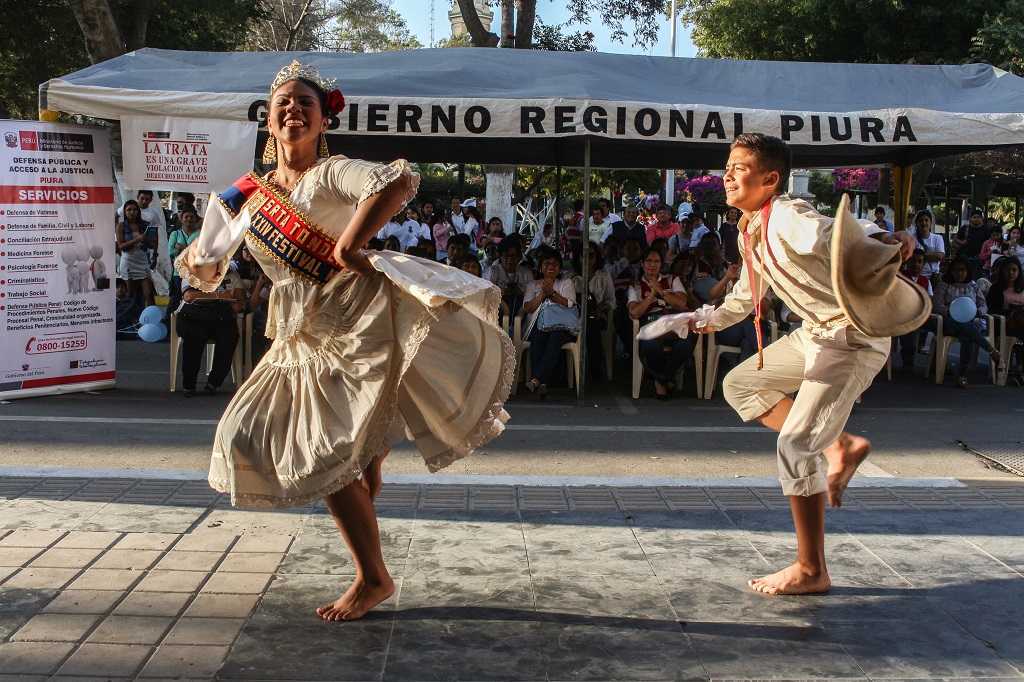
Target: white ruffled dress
(414,351)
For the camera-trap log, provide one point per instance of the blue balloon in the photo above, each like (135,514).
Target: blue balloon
(151,333)
(163,331)
(151,315)
(963,309)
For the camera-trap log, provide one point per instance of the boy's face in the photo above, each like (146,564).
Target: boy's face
(747,187)
(915,265)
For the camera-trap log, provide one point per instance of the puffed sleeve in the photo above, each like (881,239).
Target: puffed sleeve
(353,181)
(218,239)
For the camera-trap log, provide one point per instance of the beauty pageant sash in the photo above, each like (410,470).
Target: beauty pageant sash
(282,230)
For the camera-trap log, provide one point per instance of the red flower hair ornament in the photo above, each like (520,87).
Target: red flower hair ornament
(335,101)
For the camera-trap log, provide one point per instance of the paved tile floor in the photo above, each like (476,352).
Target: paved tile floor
(154,579)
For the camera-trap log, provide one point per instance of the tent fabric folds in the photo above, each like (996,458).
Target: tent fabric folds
(534,107)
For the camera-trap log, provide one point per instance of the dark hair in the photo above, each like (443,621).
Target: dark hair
(145,191)
(577,260)
(603,200)
(770,153)
(648,251)
(459,238)
(124,208)
(509,244)
(947,277)
(975,212)
(469,258)
(190,209)
(514,239)
(545,252)
(917,251)
(664,207)
(375,244)
(880,209)
(923,212)
(321,94)
(682,258)
(190,199)
(1000,272)
(475,213)
(578,205)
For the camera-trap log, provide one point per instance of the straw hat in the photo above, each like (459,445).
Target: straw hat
(865,278)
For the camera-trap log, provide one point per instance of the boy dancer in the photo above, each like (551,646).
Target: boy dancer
(840,277)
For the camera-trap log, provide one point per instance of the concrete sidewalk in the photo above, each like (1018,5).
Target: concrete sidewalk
(148,578)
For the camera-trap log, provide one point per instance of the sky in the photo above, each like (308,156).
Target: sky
(417,15)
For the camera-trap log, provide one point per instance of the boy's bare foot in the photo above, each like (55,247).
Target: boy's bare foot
(792,580)
(360,598)
(844,456)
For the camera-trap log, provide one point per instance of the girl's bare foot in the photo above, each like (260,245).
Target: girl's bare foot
(844,456)
(793,579)
(358,600)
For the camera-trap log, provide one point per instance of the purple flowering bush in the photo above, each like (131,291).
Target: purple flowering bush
(706,189)
(855,179)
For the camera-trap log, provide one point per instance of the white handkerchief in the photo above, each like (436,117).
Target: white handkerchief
(678,323)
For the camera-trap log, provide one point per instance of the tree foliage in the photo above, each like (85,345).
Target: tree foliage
(909,31)
(47,39)
(636,19)
(552,38)
(1000,40)
(371,26)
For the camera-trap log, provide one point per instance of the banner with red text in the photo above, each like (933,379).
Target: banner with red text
(56,259)
(186,154)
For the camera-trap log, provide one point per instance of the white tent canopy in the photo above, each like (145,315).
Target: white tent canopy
(534,107)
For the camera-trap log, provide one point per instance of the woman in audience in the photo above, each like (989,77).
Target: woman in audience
(440,231)
(204,317)
(649,298)
(932,244)
(494,234)
(188,230)
(393,243)
(135,238)
(545,345)
(428,215)
(472,227)
(956,283)
(600,302)
(1006,298)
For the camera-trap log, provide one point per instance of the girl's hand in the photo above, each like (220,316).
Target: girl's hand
(358,263)
(547,287)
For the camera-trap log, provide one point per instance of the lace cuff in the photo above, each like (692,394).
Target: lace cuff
(203,285)
(382,176)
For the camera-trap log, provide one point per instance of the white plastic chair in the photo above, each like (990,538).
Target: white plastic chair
(1004,344)
(638,367)
(572,366)
(238,372)
(938,350)
(716,351)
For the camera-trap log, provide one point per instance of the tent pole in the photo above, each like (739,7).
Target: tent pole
(556,216)
(581,376)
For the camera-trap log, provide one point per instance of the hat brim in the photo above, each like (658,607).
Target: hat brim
(901,310)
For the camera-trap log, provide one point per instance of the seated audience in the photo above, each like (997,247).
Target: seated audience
(600,303)
(546,345)
(205,316)
(510,276)
(652,296)
(1006,297)
(953,285)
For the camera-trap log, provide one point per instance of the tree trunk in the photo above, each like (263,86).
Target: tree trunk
(480,36)
(138,24)
(525,18)
(922,172)
(103,39)
(508,25)
(885,186)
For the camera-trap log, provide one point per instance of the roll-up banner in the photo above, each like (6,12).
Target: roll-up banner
(186,154)
(57,300)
